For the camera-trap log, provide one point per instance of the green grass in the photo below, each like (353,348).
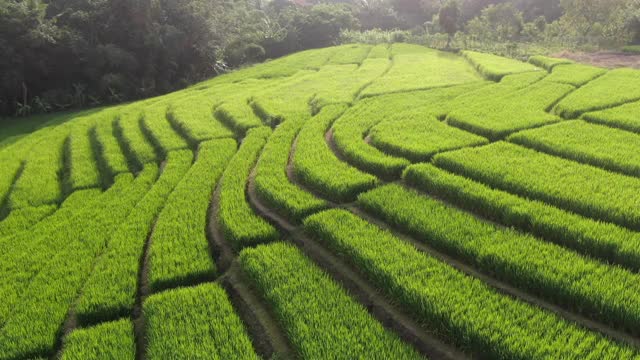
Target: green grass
(616,87)
(462,309)
(22,219)
(239,224)
(112,340)
(318,316)
(548,63)
(600,240)
(494,67)
(195,323)
(316,166)
(110,290)
(602,146)
(350,54)
(179,250)
(580,188)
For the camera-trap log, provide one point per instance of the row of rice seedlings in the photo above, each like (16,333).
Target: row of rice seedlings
(155,125)
(106,144)
(33,327)
(350,54)
(463,310)
(10,169)
(239,223)
(81,170)
(111,340)
(575,74)
(39,182)
(609,148)
(487,93)
(318,316)
(623,117)
(238,115)
(350,130)
(380,51)
(317,167)
(22,219)
(548,63)
(494,67)
(423,70)
(418,136)
(342,83)
(110,291)
(193,117)
(133,142)
(179,250)
(600,240)
(583,189)
(614,88)
(271,182)
(521,110)
(195,323)
(26,253)
(543,268)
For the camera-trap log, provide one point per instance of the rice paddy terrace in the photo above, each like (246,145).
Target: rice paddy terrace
(353,202)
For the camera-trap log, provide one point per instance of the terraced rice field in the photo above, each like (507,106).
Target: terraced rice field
(353,202)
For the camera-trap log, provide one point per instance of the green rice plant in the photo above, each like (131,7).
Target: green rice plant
(239,223)
(39,182)
(616,87)
(195,323)
(318,316)
(583,189)
(417,136)
(81,165)
(554,273)
(494,67)
(10,169)
(179,250)
(271,181)
(112,340)
(317,167)
(107,146)
(350,130)
(461,309)
(133,142)
(238,115)
(602,146)
(548,63)
(487,93)
(380,51)
(110,290)
(26,253)
(575,74)
(22,219)
(51,292)
(526,108)
(343,83)
(158,130)
(623,117)
(193,117)
(423,70)
(600,240)
(350,54)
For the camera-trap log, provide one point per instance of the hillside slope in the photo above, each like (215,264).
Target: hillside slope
(358,201)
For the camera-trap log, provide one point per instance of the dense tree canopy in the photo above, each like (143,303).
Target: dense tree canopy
(59,54)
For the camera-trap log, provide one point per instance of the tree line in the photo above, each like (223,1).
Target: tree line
(63,54)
